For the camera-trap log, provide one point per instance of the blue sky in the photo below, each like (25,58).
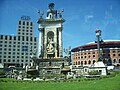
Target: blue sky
(82,18)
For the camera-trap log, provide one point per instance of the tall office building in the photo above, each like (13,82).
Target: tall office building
(16,50)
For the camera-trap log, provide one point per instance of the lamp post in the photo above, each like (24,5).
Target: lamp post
(99,40)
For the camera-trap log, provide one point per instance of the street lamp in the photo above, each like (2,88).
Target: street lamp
(99,40)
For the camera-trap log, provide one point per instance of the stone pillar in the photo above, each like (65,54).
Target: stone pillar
(39,43)
(55,40)
(60,42)
(45,45)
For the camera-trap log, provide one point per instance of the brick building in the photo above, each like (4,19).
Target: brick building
(88,54)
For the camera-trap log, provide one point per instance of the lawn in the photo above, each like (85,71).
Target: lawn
(112,83)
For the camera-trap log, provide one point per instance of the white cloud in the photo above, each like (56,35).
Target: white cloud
(88,18)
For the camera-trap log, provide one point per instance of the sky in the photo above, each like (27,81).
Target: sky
(82,17)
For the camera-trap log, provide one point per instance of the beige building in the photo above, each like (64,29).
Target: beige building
(15,50)
(88,53)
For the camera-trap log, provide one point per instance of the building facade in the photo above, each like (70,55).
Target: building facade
(15,50)
(88,53)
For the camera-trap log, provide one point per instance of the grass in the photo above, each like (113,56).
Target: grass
(111,83)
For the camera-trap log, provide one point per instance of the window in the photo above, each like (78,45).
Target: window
(23,43)
(30,38)
(13,49)
(114,60)
(13,60)
(10,38)
(9,52)
(14,38)
(22,38)
(81,62)
(26,33)
(13,52)
(89,62)
(35,39)
(23,22)
(5,37)
(85,62)
(5,41)
(19,33)
(31,24)
(18,49)
(1,36)
(19,26)
(18,46)
(30,30)
(9,60)
(113,51)
(17,60)
(88,52)
(27,38)
(119,60)
(18,37)
(9,45)
(93,55)
(4,60)
(93,61)
(19,22)
(113,54)
(89,56)
(10,42)
(5,45)
(27,23)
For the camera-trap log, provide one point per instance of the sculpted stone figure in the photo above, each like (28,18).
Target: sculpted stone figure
(50,47)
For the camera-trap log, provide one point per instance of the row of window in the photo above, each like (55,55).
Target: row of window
(9,60)
(13,53)
(22,30)
(25,23)
(23,27)
(92,62)
(93,56)
(84,53)
(14,38)
(19,33)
